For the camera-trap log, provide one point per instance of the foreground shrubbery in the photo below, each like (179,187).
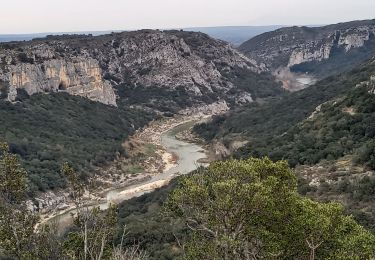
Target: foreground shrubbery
(90,237)
(251,210)
(162,236)
(234,209)
(342,126)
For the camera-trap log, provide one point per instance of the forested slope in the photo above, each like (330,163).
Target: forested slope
(47,130)
(282,129)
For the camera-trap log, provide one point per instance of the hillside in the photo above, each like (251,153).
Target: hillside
(77,98)
(262,124)
(48,130)
(108,67)
(326,132)
(163,236)
(318,51)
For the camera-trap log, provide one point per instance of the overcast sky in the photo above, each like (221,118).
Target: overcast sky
(28,16)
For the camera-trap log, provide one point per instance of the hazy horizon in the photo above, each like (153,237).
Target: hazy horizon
(172,28)
(45,16)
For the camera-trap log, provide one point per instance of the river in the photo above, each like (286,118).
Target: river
(188,156)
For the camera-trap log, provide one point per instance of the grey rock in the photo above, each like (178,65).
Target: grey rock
(93,67)
(287,47)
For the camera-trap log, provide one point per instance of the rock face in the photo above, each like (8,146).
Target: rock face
(78,77)
(369,85)
(317,50)
(216,108)
(309,54)
(94,67)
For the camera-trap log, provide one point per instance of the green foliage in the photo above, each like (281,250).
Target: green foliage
(366,154)
(94,235)
(280,130)
(75,185)
(17,224)
(46,130)
(330,134)
(259,85)
(4,88)
(94,228)
(12,177)
(146,223)
(17,236)
(91,237)
(261,121)
(356,192)
(161,99)
(250,208)
(73,244)
(24,58)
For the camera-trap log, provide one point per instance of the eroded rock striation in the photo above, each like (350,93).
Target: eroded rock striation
(316,50)
(95,67)
(78,77)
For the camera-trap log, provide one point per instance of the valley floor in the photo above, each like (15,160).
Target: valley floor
(155,157)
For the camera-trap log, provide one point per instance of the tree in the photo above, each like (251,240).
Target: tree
(19,238)
(13,182)
(229,205)
(95,227)
(17,224)
(250,209)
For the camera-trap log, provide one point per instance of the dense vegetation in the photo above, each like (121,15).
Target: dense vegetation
(160,235)
(355,189)
(46,130)
(92,231)
(342,126)
(149,226)
(232,210)
(250,209)
(165,100)
(275,129)
(261,86)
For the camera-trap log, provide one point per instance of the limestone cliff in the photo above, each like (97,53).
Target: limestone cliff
(97,67)
(78,77)
(317,50)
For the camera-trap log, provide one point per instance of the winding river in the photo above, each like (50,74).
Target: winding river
(188,156)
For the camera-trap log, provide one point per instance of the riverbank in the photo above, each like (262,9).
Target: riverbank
(159,166)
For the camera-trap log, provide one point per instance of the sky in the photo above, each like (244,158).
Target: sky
(31,16)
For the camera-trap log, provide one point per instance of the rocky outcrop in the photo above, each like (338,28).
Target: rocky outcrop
(369,85)
(356,37)
(81,77)
(309,53)
(216,108)
(96,67)
(332,47)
